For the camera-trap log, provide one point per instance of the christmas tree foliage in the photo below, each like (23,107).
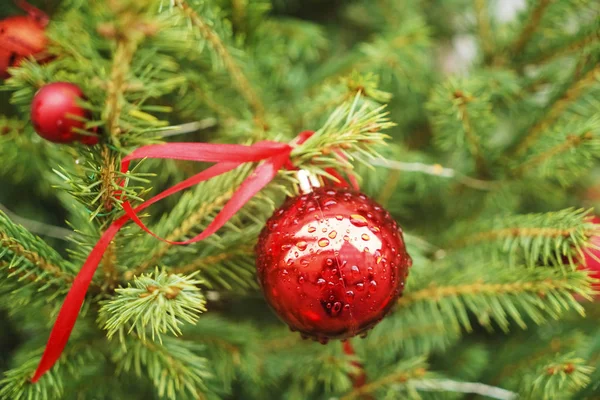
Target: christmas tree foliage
(486,157)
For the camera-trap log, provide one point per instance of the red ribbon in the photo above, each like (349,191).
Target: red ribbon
(273,157)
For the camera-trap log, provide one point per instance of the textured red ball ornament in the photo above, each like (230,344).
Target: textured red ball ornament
(592,256)
(20,37)
(331,263)
(55,113)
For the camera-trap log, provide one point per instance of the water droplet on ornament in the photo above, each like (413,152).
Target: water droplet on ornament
(366,250)
(358,220)
(375,229)
(339,217)
(301,245)
(349,295)
(360,287)
(296,254)
(311,229)
(331,192)
(304,263)
(328,305)
(337,307)
(365,237)
(324,229)
(363,335)
(332,234)
(323,340)
(321,282)
(323,242)
(346,238)
(370,270)
(355,270)
(300,279)
(334,271)
(346,306)
(284,271)
(372,286)
(286,246)
(330,203)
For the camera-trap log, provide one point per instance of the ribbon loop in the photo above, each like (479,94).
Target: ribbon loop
(273,157)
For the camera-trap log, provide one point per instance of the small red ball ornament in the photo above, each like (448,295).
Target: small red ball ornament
(592,256)
(331,263)
(21,37)
(56,115)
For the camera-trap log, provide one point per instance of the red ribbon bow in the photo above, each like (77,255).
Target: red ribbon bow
(274,157)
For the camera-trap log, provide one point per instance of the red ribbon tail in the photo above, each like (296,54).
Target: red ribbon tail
(205,175)
(275,156)
(74,300)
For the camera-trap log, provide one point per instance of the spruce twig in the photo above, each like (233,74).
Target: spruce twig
(571,142)
(485,31)
(532,24)
(240,79)
(191,222)
(405,373)
(555,110)
(472,139)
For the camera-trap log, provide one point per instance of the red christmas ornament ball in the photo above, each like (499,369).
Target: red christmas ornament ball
(55,114)
(20,37)
(331,263)
(592,256)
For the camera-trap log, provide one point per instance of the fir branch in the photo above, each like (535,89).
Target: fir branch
(16,244)
(158,302)
(462,118)
(240,79)
(351,130)
(16,384)
(557,237)
(174,367)
(404,373)
(533,22)
(37,227)
(555,110)
(590,36)
(485,30)
(191,222)
(572,142)
(537,293)
(561,377)
(209,261)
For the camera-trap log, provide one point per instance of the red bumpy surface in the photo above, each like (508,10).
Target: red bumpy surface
(331,263)
(55,113)
(20,37)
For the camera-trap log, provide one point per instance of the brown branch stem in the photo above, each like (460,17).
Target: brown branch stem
(240,79)
(485,30)
(532,24)
(571,142)
(472,138)
(509,232)
(556,109)
(436,293)
(33,257)
(209,261)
